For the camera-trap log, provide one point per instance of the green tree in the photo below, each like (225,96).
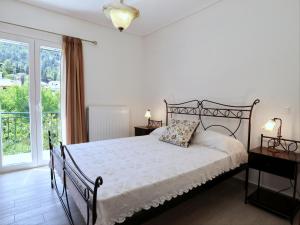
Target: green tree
(14,58)
(50,100)
(15,99)
(16,127)
(7,67)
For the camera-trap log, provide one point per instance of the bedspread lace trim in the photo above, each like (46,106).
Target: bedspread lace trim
(157,202)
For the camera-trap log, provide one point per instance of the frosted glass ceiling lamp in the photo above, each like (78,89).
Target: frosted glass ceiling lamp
(121,14)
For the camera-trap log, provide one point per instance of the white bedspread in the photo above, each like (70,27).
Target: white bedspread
(143,172)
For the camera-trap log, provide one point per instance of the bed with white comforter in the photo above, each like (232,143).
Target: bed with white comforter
(143,172)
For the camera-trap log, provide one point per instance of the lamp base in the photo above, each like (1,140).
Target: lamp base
(279,144)
(274,150)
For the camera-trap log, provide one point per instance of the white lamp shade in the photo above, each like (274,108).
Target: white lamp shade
(148,114)
(121,19)
(270,125)
(121,15)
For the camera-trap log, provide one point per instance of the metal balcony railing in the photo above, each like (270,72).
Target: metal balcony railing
(15,131)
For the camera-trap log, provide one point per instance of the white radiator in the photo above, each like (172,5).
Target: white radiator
(108,122)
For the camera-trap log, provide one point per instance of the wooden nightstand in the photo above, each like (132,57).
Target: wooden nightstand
(283,164)
(143,130)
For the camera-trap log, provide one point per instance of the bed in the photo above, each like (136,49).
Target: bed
(139,174)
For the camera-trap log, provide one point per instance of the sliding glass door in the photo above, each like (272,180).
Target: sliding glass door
(30,74)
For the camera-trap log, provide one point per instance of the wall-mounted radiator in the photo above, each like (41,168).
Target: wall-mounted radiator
(108,122)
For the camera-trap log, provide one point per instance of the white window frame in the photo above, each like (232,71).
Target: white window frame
(39,128)
(36,136)
(31,103)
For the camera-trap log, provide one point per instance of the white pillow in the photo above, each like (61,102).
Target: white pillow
(218,141)
(158,131)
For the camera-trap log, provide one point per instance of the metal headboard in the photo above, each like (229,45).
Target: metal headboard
(206,108)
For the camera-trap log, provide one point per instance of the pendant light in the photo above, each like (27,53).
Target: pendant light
(121,14)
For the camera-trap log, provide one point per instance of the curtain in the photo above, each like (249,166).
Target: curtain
(76,129)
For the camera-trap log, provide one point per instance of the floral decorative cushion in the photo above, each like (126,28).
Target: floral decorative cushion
(179,132)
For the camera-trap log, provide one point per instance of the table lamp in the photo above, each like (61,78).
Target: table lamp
(148,116)
(270,125)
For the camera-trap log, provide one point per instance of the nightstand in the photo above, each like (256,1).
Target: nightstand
(143,130)
(283,164)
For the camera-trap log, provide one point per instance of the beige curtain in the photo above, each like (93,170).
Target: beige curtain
(75,106)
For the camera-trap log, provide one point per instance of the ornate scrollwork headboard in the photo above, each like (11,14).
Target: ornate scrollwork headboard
(206,108)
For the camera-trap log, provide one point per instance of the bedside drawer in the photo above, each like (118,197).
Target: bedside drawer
(272,165)
(140,131)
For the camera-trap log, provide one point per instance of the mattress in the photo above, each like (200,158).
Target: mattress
(142,172)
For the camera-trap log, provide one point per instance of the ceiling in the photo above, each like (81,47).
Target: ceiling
(155,14)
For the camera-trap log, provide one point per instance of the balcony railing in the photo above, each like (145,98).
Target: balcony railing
(15,131)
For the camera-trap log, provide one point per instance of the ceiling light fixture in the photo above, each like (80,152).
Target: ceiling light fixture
(121,14)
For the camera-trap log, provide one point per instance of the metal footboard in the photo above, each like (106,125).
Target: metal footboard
(86,188)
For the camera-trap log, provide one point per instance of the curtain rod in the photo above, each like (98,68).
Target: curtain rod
(49,32)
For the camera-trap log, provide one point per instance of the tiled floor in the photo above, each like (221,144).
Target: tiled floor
(27,199)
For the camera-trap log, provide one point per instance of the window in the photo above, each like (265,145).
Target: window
(30,100)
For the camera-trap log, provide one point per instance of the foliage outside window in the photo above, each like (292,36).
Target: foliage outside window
(14,97)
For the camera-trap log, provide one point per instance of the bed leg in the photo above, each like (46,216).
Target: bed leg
(51,174)
(98,183)
(246,185)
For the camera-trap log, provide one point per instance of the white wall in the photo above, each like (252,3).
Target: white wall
(233,52)
(113,68)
